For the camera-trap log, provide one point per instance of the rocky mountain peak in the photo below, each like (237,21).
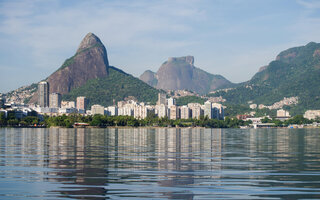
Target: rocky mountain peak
(90,40)
(186,59)
(179,73)
(89,62)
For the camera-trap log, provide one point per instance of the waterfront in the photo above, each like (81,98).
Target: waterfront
(156,163)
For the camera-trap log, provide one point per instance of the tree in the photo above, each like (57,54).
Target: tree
(3,121)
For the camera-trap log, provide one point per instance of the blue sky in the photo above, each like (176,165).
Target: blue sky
(233,38)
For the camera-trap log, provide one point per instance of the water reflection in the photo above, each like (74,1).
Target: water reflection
(161,163)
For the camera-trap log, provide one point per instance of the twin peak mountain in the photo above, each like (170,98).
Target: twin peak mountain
(90,62)
(294,73)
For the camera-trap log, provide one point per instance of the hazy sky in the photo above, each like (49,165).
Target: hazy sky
(232,38)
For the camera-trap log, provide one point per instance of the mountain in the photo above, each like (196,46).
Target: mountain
(115,87)
(90,67)
(149,77)
(294,73)
(180,73)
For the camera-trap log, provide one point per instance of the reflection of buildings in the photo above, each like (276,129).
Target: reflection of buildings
(103,163)
(185,152)
(78,163)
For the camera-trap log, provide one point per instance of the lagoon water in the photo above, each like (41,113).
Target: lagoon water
(159,163)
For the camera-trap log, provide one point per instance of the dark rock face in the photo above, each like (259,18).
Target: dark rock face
(180,73)
(89,62)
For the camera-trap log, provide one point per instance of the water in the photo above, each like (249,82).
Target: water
(159,163)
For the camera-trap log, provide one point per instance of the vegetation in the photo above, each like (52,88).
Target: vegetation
(298,119)
(233,110)
(295,73)
(189,99)
(116,86)
(27,121)
(105,121)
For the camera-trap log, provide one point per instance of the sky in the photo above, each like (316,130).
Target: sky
(232,38)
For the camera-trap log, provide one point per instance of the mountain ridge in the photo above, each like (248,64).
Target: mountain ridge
(179,73)
(294,73)
(90,62)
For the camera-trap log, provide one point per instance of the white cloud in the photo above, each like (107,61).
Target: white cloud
(313,4)
(142,34)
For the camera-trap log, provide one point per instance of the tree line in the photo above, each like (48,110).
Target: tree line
(150,121)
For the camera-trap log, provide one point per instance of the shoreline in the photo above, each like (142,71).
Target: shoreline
(155,127)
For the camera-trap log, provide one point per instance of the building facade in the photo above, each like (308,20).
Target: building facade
(217,111)
(161,111)
(174,112)
(67,104)
(185,112)
(283,113)
(311,114)
(171,102)
(55,100)
(208,109)
(43,90)
(97,109)
(81,103)
(196,110)
(162,99)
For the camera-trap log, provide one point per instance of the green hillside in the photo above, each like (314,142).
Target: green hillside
(116,86)
(295,72)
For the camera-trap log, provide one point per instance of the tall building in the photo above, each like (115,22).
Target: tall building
(97,109)
(161,110)
(162,99)
(171,102)
(217,111)
(81,103)
(283,113)
(196,110)
(185,112)
(55,100)
(112,111)
(208,109)
(43,90)
(174,112)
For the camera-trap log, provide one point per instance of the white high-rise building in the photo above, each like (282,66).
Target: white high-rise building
(196,110)
(161,111)
(125,111)
(97,109)
(171,102)
(208,109)
(185,112)
(112,110)
(141,111)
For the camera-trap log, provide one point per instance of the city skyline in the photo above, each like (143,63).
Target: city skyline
(231,38)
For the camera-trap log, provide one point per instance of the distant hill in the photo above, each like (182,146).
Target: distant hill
(180,73)
(295,72)
(116,86)
(88,73)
